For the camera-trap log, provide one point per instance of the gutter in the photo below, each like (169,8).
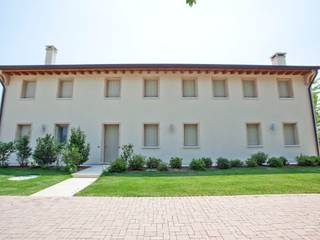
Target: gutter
(312,78)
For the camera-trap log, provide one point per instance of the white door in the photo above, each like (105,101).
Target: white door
(111,142)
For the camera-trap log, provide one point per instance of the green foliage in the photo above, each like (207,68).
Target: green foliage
(275,162)
(78,140)
(207,161)
(197,164)
(5,151)
(23,151)
(162,167)
(236,163)
(153,163)
(118,165)
(251,162)
(71,157)
(304,160)
(316,106)
(191,2)
(259,157)
(46,151)
(284,160)
(175,162)
(127,152)
(223,163)
(137,162)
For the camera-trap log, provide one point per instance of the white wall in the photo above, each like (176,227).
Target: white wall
(221,122)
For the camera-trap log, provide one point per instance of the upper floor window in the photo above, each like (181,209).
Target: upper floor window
(28,89)
(290,133)
(254,134)
(189,88)
(249,88)
(65,89)
(112,88)
(61,132)
(285,88)
(23,130)
(219,88)
(151,88)
(151,135)
(190,135)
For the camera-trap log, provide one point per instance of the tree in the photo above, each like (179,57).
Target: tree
(5,150)
(78,140)
(191,2)
(316,106)
(23,151)
(46,151)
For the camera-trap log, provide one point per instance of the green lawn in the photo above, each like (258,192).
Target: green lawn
(239,181)
(47,177)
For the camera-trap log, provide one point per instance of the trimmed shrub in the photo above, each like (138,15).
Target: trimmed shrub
(118,165)
(5,151)
(162,167)
(46,151)
(275,162)
(127,152)
(304,160)
(207,162)
(153,163)
(197,164)
(176,162)
(284,160)
(236,163)
(23,151)
(78,140)
(250,162)
(223,163)
(259,157)
(71,156)
(137,162)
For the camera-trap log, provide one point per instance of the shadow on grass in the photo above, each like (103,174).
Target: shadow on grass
(18,171)
(220,172)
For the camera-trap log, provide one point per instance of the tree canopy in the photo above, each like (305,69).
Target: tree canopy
(191,2)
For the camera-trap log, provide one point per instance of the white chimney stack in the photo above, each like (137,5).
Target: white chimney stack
(51,52)
(279,58)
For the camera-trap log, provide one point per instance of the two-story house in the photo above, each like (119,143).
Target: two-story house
(164,110)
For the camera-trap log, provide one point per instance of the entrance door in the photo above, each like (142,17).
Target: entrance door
(111,142)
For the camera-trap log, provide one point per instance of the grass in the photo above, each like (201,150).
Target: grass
(47,177)
(236,181)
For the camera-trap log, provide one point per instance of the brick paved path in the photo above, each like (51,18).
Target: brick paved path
(242,217)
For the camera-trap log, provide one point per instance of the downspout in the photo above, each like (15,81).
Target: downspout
(312,77)
(3,82)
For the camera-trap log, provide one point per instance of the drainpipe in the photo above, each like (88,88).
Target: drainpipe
(2,100)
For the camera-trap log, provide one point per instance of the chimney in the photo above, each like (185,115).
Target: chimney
(279,58)
(51,52)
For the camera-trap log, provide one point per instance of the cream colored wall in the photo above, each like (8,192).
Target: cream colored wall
(221,122)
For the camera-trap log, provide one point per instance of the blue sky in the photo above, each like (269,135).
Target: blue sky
(160,31)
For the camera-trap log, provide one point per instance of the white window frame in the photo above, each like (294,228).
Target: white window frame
(195,85)
(144,87)
(23,89)
(255,88)
(59,92)
(226,88)
(198,135)
(260,137)
(290,85)
(296,133)
(106,87)
(143,135)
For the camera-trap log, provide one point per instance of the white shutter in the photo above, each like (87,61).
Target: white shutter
(29,89)
(151,135)
(189,88)
(151,88)
(253,135)
(66,89)
(284,89)
(113,88)
(249,88)
(190,135)
(290,134)
(219,88)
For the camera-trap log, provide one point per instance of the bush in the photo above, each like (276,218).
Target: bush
(259,157)
(137,162)
(118,165)
(78,140)
(284,160)
(275,162)
(236,163)
(71,156)
(176,162)
(46,151)
(5,151)
(162,166)
(251,162)
(207,162)
(127,152)
(153,163)
(197,164)
(23,151)
(223,163)
(304,160)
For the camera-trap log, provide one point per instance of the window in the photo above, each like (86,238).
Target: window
(23,130)
(249,88)
(28,89)
(219,88)
(191,135)
(61,132)
(253,134)
(151,88)
(285,89)
(151,135)
(189,88)
(290,134)
(112,88)
(65,89)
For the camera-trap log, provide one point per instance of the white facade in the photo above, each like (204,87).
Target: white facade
(222,122)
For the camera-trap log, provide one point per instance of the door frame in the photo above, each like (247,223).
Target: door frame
(103,130)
